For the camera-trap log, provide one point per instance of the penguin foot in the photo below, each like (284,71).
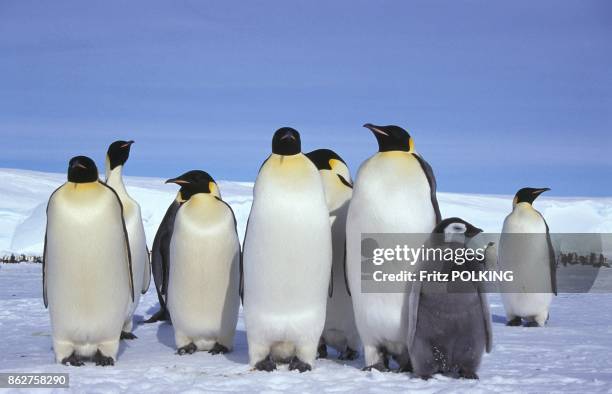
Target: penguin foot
(322,351)
(73,360)
(218,349)
(468,375)
(265,365)
(300,365)
(348,354)
(127,335)
(160,315)
(187,349)
(379,366)
(407,368)
(514,322)
(102,360)
(532,324)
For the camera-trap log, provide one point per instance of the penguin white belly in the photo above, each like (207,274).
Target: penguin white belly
(391,195)
(87,274)
(528,258)
(203,288)
(140,258)
(287,262)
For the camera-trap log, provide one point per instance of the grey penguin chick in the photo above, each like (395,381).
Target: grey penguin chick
(449,322)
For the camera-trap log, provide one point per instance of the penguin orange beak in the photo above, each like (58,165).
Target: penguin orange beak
(375,129)
(78,165)
(128,143)
(540,191)
(178,181)
(288,135)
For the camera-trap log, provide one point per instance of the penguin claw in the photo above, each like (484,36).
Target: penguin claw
(300,365)
(73,360)
(379,366)
(218,349)
(102,360)
(322,351)
(265,365)
(127,335)
(468,375)
(187,349)
(348,354)
(514,322)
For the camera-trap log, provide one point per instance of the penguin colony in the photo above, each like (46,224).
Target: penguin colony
(298,275)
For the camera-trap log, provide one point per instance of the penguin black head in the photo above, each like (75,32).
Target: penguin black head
(391,138)
(456,226)
(118,153)
(194,182)
(528,194)
(286,142)
(322,158)
(81,169)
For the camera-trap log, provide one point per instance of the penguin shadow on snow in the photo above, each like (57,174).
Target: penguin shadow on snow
(498,319)
(124,344)
(165,335)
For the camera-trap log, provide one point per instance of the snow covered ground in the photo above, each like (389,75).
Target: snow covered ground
(571,354)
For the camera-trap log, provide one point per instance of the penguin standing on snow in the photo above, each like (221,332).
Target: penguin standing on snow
(449,323)
(87,275)
(160,253)
(287,259)
(116,157)
(526,249)
(204,277)
(340,331)
(394,192)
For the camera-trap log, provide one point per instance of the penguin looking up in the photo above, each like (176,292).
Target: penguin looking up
(87,276)
(394,192)
(340,331)
(204,268)
(286,259)
(526,249)
(449,324)
(116,157)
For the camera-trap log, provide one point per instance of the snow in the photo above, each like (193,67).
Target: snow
(571,354)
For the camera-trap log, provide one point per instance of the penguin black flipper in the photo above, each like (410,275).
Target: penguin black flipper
(432,184)
(552,260)
(160,253)
(240,287)
(127,239)
(242,263)
(346,283)
(330,288)
(44,259)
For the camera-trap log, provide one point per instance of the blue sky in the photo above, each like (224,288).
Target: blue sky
(497,95)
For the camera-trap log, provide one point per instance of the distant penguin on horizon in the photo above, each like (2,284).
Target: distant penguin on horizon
(526,249)
(340,331)
(287,259)
(449,322)
(204,272)
(394,192)
(87,275)
(116,157)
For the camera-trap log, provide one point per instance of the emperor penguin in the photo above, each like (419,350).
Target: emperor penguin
(87,275)
(526,249)
(449,322)
(286,259)
(116,157)
(160,252)
(204,274)
(394,192)
(340,331)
